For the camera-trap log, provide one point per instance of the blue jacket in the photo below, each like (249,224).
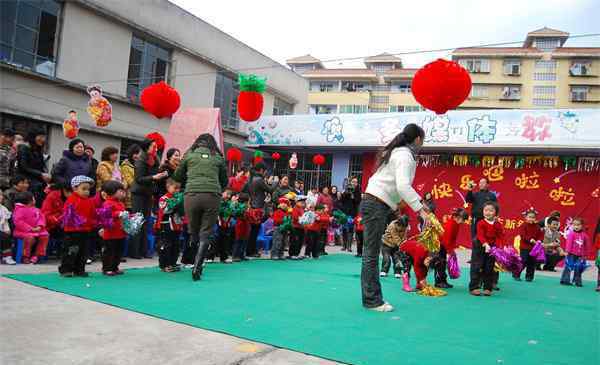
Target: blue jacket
(71,165)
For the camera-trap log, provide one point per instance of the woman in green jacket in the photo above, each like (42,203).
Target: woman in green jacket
(203,172)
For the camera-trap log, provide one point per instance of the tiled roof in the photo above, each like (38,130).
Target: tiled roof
(341,72)
(401,72)
(545,31)
(303,59)
(524,51)
(383,57)
(595,50)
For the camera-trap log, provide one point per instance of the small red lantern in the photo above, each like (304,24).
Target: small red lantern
(160,100)
(441,85)
(250,99)
(158,139)
(276,156)
(234,155)
(318,160)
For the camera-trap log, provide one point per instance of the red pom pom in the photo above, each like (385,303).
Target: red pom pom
(234,155)
(250,105)
(441,85)
(158,139)
(257,160)
(160,100)
(276,156)
(318,160)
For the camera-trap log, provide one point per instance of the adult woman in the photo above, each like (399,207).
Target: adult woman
(204,173)
(31,164)
(258,190)
(145,178)
(350,202)
(237,182)
(390,185)
(282,189)
(336,197)
(108,168)
(325,199)
(128,170)
(74,162)
(170,165)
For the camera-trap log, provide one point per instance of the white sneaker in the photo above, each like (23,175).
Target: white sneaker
(8,260)
(208,261)
(88,261)
(398,276)
(383,274)
(188,266)
(228,261)
(385,307)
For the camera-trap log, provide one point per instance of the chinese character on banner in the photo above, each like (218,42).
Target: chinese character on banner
(510,224)
(565,197)
(527,182)
(443,190)
(481,129)
(465,180)
(536,128)
(436,129)
(494,173)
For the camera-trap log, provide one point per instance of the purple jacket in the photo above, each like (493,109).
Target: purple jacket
(71,165)
(577,243)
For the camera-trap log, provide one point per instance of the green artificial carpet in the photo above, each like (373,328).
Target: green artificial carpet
(314,307)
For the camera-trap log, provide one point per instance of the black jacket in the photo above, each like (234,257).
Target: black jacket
(71,165)
(351,201)
(478,199)
(31,164)
(258,190)
(143,184)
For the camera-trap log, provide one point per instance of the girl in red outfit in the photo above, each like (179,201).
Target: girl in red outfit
(278,236)
(113,193)
(297,237)
(448,245)
(412,253)
(52,209)
(242,230)
(30,226)
(530,233)
(79,224)
(313,233)
(360,238)
(489,234)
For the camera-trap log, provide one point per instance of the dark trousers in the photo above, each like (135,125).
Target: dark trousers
(74,254)
(374,213)
(251,243)
(278,243)
(347,235)
(202,210)
(296,241)
(440,265)
(552,261)
(6,243)
(403,262)
(360,239)
(566,274)
(529,264)
(239,249)
(168,247)
(224,242)
(388,257)
(189,252)
(111,254)
(138,244)
(482,268)
(474,221)
(312,244)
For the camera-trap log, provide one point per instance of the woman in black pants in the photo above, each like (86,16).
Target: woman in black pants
(204,173)
(390,185)
(145,179)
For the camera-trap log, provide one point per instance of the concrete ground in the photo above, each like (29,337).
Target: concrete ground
(44,327)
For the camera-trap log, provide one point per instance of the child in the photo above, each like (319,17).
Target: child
(578,243)
(448,245)
(20,184)
(325,221)
(412,253)
(395,234)
(313,234)
(359,228)
(169,225)
(5,237)
(113,193)
(225,228)
(278,235)
(554,253)
(489,234)
(530,233)
(242,230)
(297,236)
(79,224)
(30,226)
(52,208)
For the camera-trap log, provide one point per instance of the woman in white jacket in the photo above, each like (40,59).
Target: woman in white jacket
(391,184)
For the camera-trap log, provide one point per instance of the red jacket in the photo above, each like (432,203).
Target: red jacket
(492,234)
(297,212)
(418,253)
(324,220)
(529,231)
(448,239)
(175,225)
(85,208)
(52,208)
(278,216)
(115,232)
(242,228)
(237,184)
(318,224)
(358,226)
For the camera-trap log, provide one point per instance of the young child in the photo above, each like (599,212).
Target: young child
(554,253)
(395,234)
(448,246)
(412,253)
(113,194)
(5,236)
(79,224)
(297,236)
(30,226)
(225,228)
(313,234)
(359,229)
(489,234)
(169,224)
(52,208)
(278,236)
(242,230)
(20,184)
(577,245)
(530,233)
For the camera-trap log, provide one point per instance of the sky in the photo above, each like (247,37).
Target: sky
(333,29)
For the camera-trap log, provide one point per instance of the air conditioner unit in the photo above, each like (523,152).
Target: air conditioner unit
(515,70)
(578,96)
(584,70)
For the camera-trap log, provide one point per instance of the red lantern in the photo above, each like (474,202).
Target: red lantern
(441,85)
(250,99)
(318,160)
(276,156)
(234,155)
(160,100)
(158,139)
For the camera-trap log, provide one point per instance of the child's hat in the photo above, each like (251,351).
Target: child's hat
(81,179)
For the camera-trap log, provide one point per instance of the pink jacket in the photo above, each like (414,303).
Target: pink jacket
(578,243)
(26,218)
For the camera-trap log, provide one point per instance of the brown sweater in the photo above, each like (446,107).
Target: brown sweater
(395,234)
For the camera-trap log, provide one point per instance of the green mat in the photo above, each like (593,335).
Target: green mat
(314,307)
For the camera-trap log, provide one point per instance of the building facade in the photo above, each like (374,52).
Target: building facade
(50,51)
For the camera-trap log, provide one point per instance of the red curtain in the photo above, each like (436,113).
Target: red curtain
(368,168)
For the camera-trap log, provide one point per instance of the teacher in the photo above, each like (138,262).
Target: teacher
(204,174)
(391,184)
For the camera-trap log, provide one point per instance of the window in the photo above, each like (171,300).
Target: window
(323,86)
(226,94)
(380,68)
(28,34)
(402,87)
(547,44)
(354,109)
(355,169)
(282,107)
(301,68)
(379,99)
(479,92)
(323,109)
(543,102)
(544,90)
(378,110)
(306,171)
(579,93)
(580,68)
(475,65)
(148,64)
(545,65)
(406,108)
(23,125)
(381,87)
(511,93)
(512,67)
(544,76)
(353,86)
(544,95)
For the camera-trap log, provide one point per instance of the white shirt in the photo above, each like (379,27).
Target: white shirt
(392,182)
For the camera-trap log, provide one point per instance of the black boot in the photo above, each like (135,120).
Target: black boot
(199,261)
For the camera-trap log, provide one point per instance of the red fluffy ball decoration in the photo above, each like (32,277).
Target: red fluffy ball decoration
(318,160)
(234,155)
(160,100)
(441,85)
(158,139)
(276,156)
(250,105)
(257,160)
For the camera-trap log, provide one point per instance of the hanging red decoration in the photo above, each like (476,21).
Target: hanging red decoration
(234,155)
(158,139)
(258,157)
(276,156)
(441,85)
(318,160)
(250,99)
(160,100)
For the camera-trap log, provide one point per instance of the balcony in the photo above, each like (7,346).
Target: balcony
(584,94)
(582,69)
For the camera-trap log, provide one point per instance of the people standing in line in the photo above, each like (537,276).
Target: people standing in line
(108,169)
(31,163)
(146,176)
(258,189)
(75,162)
(168,226)
(7,138)
(203,171)
(128,170)
(390,184)
(478,199)
(113,235)
(53,210)
(173,158)
(298,233)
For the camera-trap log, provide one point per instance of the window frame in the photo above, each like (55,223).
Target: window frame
(149,55)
